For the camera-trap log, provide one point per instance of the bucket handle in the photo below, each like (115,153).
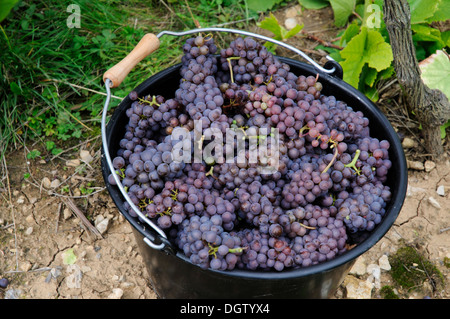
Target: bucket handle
(149,43)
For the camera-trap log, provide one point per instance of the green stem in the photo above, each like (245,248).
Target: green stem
(353,162)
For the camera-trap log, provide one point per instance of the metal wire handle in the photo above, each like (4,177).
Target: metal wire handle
(108,84)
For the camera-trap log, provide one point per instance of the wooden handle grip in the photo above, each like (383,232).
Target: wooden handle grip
(148,44)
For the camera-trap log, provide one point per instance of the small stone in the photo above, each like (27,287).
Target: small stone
(30,219)
(434,202)
(408,142)
(46,183)
(293,11)
(86,156)
(101,224)
(290,23)
(117,293)
(415,165)
(357,289)
(55,183)
(21,200)
(29,231)
(429,166)
(359,267)
(67,213)
(73,163)
(74,279)
(25,266)
(440,190)
(411,190)
(375,274)
(384,264)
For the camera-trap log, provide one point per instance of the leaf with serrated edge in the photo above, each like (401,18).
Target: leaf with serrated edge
(342,10)
(271,24)
(369,47)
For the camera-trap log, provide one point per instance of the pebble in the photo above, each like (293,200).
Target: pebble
(29,231)
(375,274)
(117,293)
(357,289)
(384,264)
(359,267)
(408,143)
(55,183)
(67,213)
(86,156)
(73,163)
(46,183)
(101,223)
(290,23)
(429,166)
(434,202)
(293,11)
(440,190)
(74,279)
(415,165)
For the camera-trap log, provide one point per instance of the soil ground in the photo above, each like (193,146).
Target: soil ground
(41,228)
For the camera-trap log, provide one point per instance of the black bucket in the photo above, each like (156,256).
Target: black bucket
(171,273)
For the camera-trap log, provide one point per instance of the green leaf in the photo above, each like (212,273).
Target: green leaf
(5,8)
(342,9)
(351,30)
(368,47)
(442,12)
(33,154)
(443,129)
(69,257)
(292,32)
(421,10)
(426,33)
(49,145)
(436,72)
(314,4)
(15,88)
(262,5)
(445,36)
(271,24)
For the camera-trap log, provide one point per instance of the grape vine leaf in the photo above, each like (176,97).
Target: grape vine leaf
(436,72)
(314,4)
(421,10)
(368,47)
(342,9)
(262,5)
(442,12)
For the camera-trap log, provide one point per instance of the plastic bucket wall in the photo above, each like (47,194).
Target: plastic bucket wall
(172,275)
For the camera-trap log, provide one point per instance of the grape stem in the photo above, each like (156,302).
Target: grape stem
(231,68)
(307,227)
(174,194)
(353,162)
(152,102)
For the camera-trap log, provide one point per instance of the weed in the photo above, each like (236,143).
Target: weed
(410,269)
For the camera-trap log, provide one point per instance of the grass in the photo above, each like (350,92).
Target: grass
(51,75)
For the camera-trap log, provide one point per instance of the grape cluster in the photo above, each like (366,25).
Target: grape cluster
(320,178)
